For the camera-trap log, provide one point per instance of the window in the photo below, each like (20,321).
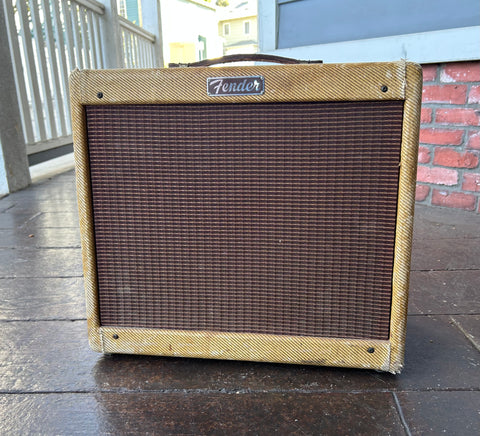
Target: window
(226,29)
(202,48)
(122,8)
(246,27)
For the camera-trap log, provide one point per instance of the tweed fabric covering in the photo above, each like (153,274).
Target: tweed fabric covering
(405,212)
(348,82)
(326,82)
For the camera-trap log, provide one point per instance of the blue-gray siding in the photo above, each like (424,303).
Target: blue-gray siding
(308,22)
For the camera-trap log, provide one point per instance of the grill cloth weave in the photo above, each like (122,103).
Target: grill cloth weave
(274,218)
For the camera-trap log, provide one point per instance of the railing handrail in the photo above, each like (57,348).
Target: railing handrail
(93,5)
(48,38)
(128,25)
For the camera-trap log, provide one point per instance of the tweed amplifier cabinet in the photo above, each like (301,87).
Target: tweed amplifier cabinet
(257,213)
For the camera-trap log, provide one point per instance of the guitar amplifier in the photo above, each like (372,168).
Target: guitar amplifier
(259,213)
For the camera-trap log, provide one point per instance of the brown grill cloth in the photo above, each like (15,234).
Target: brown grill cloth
(273,218)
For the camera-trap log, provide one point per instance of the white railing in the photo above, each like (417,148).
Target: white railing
(48,39)
(137,44)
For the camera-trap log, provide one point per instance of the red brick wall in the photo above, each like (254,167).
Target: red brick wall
(448,170)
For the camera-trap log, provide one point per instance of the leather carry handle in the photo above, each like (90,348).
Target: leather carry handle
(256,57)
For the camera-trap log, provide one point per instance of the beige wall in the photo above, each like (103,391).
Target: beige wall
(237,33)
(183,21)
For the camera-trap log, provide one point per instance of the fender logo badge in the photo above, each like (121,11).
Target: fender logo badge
(224,86)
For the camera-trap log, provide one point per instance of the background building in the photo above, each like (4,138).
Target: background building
(189,31)
(237,25)
(131,10)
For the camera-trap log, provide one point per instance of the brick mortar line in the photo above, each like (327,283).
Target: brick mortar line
(457,148)
(447,126)
(460,82)
(440,105)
